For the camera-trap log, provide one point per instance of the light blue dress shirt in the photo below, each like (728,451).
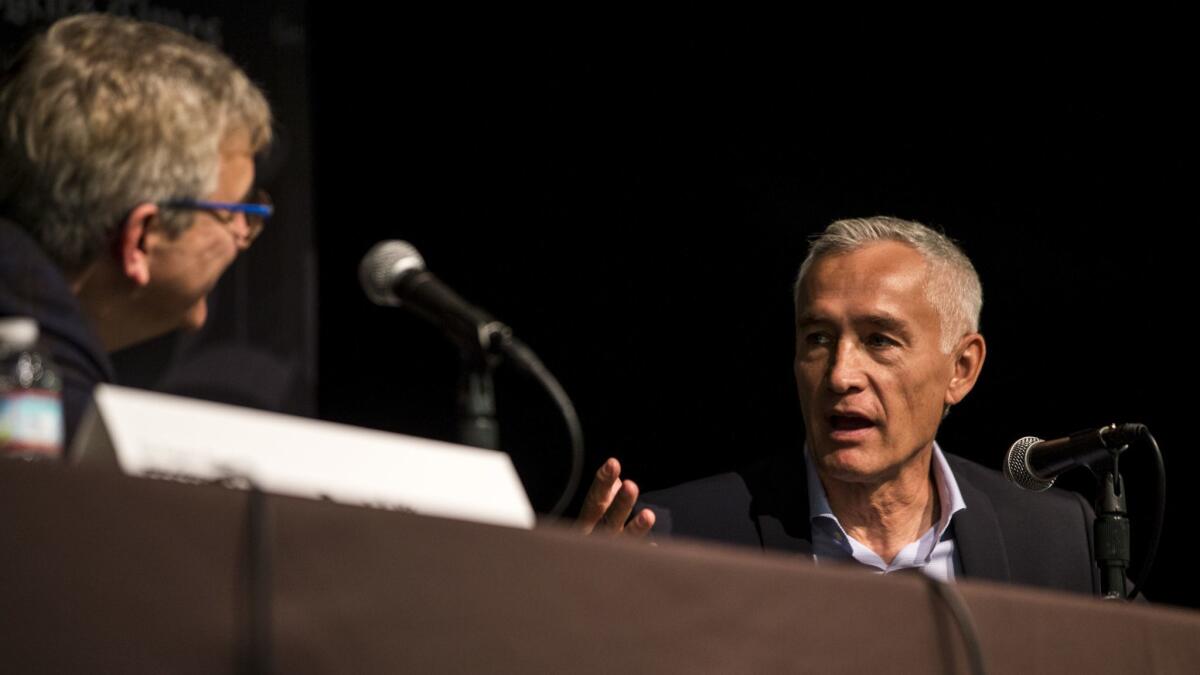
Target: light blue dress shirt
(932,552)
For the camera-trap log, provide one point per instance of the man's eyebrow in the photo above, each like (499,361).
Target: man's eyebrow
(887,323)
(807,318)
(882,321)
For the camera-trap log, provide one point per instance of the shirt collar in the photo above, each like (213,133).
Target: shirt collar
(947,487)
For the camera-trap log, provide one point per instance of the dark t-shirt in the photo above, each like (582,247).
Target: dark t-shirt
(32,285)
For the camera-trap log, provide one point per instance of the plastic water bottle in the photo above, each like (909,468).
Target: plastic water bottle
(31,416)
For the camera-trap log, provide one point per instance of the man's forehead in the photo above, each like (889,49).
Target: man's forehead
(882,266)
(883,281)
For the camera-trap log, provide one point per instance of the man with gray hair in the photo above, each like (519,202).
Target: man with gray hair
(887,340)
(126,186)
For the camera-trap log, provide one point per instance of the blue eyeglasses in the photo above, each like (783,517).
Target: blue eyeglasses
(256,211)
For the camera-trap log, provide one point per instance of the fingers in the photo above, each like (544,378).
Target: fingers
(641,524)
(610,501)
(600,495)
(622,506)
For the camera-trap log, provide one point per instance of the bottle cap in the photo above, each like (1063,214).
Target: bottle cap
(18,331)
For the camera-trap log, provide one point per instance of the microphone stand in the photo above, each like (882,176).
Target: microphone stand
(1111,532)
(477,401)
(477,425)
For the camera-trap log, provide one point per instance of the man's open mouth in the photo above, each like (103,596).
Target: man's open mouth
(849,422)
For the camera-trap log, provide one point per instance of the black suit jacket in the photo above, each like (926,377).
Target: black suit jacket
(1005,534)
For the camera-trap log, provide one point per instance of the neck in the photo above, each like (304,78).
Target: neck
(105,298)
(888,515)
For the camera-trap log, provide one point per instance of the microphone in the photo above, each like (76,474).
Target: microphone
(393,274)
(1034,464)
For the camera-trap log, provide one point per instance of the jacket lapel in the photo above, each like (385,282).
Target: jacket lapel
(780,513)
(977,538)
(780,504)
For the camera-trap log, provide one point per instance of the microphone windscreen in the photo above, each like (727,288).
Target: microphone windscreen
(1016,465)
(385,264)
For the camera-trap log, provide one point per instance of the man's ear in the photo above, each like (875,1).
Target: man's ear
(131,250)
(968,361)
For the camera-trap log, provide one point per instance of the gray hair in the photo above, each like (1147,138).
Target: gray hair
(952,284)
(102,113)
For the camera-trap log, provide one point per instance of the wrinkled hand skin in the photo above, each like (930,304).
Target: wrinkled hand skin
(608,504)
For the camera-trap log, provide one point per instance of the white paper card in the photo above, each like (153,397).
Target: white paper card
(157,435)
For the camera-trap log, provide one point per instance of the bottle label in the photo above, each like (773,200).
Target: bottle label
(31,423)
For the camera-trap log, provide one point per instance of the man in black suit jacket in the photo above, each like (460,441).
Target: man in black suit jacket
(887,321)
(1004,534)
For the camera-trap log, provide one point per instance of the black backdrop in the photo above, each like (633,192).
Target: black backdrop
(636,209)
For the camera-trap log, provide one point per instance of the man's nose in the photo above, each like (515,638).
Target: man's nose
(239,227)
(845,371)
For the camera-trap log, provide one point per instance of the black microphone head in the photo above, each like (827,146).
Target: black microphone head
(1016,465)
(386,263)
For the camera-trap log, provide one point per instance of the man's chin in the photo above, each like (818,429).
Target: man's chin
(853,464)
